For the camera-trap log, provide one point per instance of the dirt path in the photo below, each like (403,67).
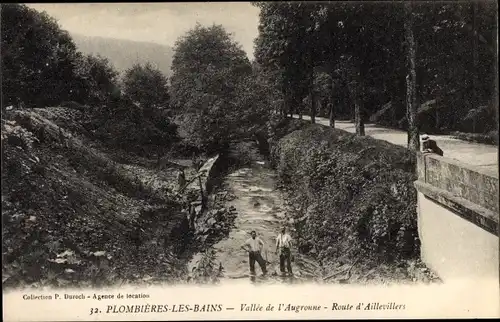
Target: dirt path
(483,156)
(260,207)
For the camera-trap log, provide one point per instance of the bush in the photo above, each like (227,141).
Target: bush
(353,195)
(133,128)
(486,138)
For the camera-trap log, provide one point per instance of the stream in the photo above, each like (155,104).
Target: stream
(260,207)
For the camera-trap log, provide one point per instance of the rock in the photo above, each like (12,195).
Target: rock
(66,253)
(202,230)
(210,221)
(99,253)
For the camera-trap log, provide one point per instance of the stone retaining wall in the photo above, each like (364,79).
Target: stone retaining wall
(458,218)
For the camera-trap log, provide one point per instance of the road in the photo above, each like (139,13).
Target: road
(482,156)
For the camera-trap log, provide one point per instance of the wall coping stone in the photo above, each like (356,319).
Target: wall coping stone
(480,216)
(462,180)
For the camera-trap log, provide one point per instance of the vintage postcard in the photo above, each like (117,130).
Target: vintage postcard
(250,160)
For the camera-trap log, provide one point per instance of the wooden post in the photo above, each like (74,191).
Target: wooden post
(202,194)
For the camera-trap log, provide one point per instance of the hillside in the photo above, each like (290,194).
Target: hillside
(76,213)
(124,53)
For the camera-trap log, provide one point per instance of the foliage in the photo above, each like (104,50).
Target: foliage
(146,85)
(354,196)
(208,68)
(72,217)
(285,46)
(454,58)
(97,81)
(41,66)
(255,102)
(486,138)
(127,126)
(206,269)
(35,52)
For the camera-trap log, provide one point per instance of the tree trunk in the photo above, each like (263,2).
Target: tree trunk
(313,107)
(358,120)
(495,72)
(358,105)
(474,62)
(394,121)
(331,102)
(437,119)
(411,77)
(299,109)
(288,106)
(331,114)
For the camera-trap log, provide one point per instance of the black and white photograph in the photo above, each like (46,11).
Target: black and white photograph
(261,144)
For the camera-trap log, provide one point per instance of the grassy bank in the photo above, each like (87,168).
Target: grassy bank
(485,138)
(73,216)
(352,200)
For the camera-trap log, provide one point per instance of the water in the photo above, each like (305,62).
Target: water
(260,207)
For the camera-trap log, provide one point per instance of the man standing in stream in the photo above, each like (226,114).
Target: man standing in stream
(283,248)
(254,246)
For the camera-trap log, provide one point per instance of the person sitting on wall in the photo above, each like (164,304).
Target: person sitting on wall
(430,146)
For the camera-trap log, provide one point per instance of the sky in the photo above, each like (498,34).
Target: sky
(161,23)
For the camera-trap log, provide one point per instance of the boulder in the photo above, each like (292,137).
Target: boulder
(210,221)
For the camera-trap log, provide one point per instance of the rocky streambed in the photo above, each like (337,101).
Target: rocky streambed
(253,202)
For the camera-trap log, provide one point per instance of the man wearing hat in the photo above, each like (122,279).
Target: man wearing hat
(430,146)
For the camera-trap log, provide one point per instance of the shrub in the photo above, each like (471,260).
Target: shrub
(353,195)
(486,138)
(133,128)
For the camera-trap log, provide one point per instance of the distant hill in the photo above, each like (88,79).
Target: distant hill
(125,53)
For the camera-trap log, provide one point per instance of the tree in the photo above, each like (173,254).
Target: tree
(97,80)
(286,45)
(146,86)
(368,60)
(208,66)
(131,120)
(36,54)
(370,43)
(455,63)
